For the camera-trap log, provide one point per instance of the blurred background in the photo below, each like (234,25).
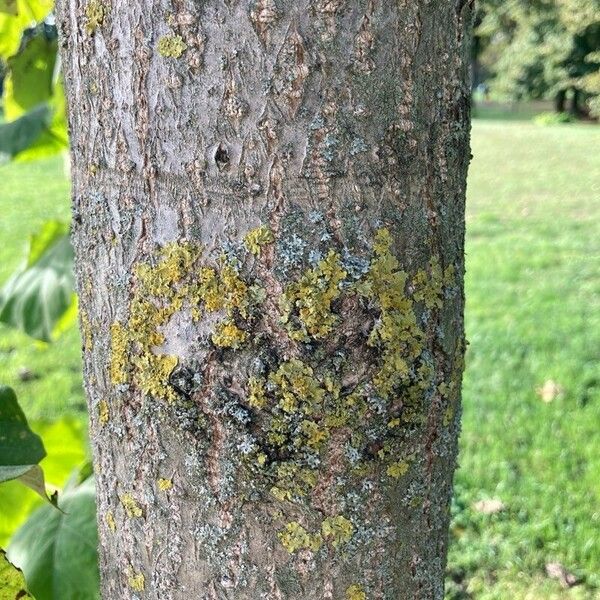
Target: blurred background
(526,511)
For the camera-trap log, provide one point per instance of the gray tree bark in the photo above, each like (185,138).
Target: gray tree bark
(268,216)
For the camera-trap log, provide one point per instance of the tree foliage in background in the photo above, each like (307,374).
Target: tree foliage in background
(536,49)
(32,96)
(55,549)
(39,297)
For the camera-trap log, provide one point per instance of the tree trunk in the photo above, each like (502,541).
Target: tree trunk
(560,101)
(575,108)
(268,217)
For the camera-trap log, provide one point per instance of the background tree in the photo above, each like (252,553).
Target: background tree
(268,221)
(540,49)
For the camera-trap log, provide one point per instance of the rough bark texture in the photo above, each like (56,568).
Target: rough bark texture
(268,216)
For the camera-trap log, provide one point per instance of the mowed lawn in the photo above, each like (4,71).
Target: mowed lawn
(533,321)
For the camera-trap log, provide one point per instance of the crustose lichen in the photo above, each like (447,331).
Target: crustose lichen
(171,46)
(95,13)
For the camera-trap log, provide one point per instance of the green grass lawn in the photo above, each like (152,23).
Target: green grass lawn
(533,315)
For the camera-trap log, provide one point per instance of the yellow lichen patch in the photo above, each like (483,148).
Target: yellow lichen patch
(129,503)
(342,410)
(103,412)
(86,331)
(164,484)
(152,375)
(396,333)
(397,469)
(356,592)
(310,299)
(448,416)
(228,335)
(159,295)
(261,459)
(281,494)
(294,537)
(278,431)
(119,357)
(95,13)
(145,317)
(297,386)
(136,581)
(171,46)
(293,481)
(174,264)
(208,290)
(110,521)
(234,290)
(338,530)
(450,276)
(257,238)
(446,389)
(316,436)
(256,393)
(164,287)
(429,283)
(223,289)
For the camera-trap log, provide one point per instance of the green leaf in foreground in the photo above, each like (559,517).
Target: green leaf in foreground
(9,7)
(31,80)
(57,551)
(20,134)
(36,297)
(12,582)
(65,441)
(20,448)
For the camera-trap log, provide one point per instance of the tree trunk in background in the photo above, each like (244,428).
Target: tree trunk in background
(560,101)
(268,216)
(575,108)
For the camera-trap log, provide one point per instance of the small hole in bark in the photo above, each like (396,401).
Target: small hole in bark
(221,156)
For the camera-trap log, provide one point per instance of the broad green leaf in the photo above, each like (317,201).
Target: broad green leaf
(37,9)
(57,550)
(29,13)
(9,7)
(66,444)
(67,447)
(68,318)
(20,448)
(55,137)
(30,82)
(50,232)
(34,299)
(11,30)
(12,582)
(22,133)
(30,79)
(34,480)
(16,504)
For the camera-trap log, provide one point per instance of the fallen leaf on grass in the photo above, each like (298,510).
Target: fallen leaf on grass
(549,391)
(489,507)
(555,570)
